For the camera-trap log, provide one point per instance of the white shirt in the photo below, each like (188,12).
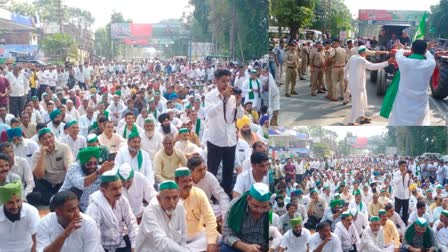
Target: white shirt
(123,156)
(57,132)
(158,233)
(84,124)
(23,169)
(16,236)
(220,132)
(153,145)
(19,85)
(210,185)
(401,190)
(141,189)
(296,244)
(348,237)
(245,180)
(334,245)
(86,238)
(26,149)
(372,242)
(75,145)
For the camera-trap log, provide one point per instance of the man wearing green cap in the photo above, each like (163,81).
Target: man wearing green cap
(347,232)
(372,239)
(198,212)
(440,229)
(419,237)
(291,213)
(136,157)
(18,220)
(246,224)
(184,145)
(333,213)
(296,239)
(136,188)
(355,73)
(358,203)
(163,227)
(83,177)
(113,214)
(391,235)
(73,139)
(50,164)
(152,139)
(66,228)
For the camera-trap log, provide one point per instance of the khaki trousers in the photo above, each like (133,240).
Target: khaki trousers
(317,75)
(291,78)
(329,83)
(337,77)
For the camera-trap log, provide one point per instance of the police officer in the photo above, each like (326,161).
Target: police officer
(305,56)
(337,72)
(317,62)
(291,70)
(327,69)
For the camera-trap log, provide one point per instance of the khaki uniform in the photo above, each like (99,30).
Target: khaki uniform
(305,56)
(327,71)
(337,72)
(291,71)
(317,63)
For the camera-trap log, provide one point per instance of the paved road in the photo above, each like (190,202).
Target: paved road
(306,110)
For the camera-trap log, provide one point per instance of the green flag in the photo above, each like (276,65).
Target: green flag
(420,34)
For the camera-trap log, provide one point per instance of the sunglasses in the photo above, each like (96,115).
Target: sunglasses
(94,163)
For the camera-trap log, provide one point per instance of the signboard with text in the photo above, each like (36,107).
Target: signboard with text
(390,15)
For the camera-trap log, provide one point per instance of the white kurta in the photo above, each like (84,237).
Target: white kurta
(296,244)
(372,242)
(86,238)
(255,89)
(123,156)
(355,73)
(16,236)
(411,105)
(334,245)
(141,189)
(153,145)
(158,233)
(441,235)
(75,145)
(210,185)
(348,237)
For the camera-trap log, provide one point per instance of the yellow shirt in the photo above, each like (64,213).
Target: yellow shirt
(198,212)
(391,234)
(165,165)
(374,208)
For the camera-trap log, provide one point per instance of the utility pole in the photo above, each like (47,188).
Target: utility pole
(232,31)
(59,6)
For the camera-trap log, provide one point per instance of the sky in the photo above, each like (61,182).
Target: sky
(355,5)
(364,131)
(140,11)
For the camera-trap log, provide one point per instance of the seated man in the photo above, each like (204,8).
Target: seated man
(441,231)
(163,226)
(136,188)
(111,140)
(92,141)
(56,125)
(258,174)
(333,213)
(372,239)
(206,181)
(18,220)
(50,164)
(113,214)
(246,224)
(184,145)
(73,139)
(136,157)
(167,160)
(23,147)
(20,167)
(419,237)
(152,139)
(83,177)
(324,240)
(391,235)
(316,209)
(130,126)
(66,229)
(199,212)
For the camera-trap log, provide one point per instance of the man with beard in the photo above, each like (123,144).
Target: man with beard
(252,90)
(66,229)
(252,114)
(116,108)
(166,127)
(72,139)
(184,145)
(347,232)
(136,188)
(23,147)
(50,164)
(83,176)
(20,167)
(18,220)
(246,226)
(136,157)
(333,213)
(130,126)
(258,174)
(111,140)
(372,239)
(206,181)
(167,160)
(113,214)
(152,139)
(245,131)
(296,239)
(56,125)
(324,240)
(163,226)
(198,212)
(440,229)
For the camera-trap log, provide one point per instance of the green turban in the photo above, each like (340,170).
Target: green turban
(9,190)
(54,114)
(335,202)
(295,221)
(357,192)
(92,138)
(85,154)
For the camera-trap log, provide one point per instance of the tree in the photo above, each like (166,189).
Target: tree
(333,18)
(294,14)
(321,150)
(439,18)
(58,47)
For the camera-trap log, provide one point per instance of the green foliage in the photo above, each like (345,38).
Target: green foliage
(439,18)
(321,150)
(335,17)
(58,47)
(294,14)
(417,140)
